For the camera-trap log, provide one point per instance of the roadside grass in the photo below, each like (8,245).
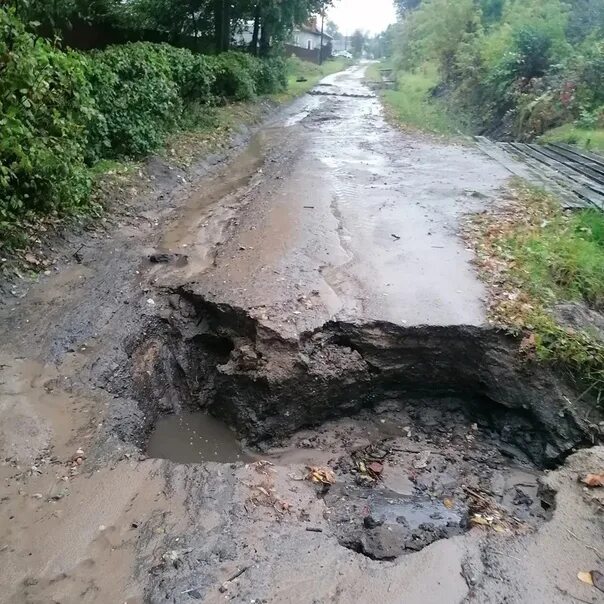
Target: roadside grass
(588,139)
(209,129)
(533,256)
(413,104)
(372,74)
(311,75)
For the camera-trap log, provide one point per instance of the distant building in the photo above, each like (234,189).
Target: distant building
(309,36)
(305,43)
(341,43)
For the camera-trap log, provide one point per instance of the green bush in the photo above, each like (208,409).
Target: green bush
(192,73)
(60,111)
(134,89)
(46,114)
(234,77)
(272,76)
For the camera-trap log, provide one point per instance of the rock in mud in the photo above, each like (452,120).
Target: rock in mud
(168,258)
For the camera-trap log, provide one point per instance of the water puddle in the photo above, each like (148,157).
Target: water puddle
(195,438)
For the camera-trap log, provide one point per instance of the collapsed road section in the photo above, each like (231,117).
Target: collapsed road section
(284,388)
(216,358)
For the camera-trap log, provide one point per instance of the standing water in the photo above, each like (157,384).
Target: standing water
(195,438)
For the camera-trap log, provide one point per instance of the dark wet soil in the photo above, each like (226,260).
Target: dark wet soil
(409,471)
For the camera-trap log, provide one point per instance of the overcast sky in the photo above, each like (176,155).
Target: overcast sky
(368,15)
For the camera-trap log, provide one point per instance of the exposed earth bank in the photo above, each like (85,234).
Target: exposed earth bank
(313,294)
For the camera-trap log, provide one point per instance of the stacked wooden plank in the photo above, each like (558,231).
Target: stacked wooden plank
(576,176)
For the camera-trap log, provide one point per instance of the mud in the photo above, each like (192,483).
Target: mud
(312,301)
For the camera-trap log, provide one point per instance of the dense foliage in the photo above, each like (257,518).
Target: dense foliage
(61,111)
(205,23)
(522,66)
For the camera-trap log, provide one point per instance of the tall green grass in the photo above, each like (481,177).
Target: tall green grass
(564,259)
(413,103)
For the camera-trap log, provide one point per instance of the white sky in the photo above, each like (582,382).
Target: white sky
(367,15)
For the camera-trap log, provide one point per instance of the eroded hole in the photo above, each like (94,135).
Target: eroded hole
(409,471)
(429,430)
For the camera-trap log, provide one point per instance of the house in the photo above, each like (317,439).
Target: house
(308,36)
(304,42)
(307,42)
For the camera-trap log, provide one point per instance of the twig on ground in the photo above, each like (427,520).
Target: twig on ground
(224,586)
(567,593)
(591,547)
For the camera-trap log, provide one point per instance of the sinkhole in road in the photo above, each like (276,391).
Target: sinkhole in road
(428,429)
(408,471)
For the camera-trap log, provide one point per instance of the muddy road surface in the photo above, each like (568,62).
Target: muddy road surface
(273,381)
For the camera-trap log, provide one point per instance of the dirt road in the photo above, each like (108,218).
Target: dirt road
(350,208)
(311,291)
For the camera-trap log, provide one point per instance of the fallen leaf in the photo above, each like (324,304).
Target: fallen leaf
(320,475)
(448,503)
(593,480)
(585,576)
(375,467)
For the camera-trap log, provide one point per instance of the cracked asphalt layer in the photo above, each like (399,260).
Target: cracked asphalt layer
(347,211)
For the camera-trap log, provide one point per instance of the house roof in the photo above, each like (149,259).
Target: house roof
(310,29)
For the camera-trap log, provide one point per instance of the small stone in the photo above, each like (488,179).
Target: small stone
(369,522)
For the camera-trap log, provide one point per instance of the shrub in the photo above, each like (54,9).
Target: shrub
(46,115)
(272,76)
(234,77)
(62,111)
(134,88)
(193,73)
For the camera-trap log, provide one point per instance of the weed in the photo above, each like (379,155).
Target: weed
(534,256)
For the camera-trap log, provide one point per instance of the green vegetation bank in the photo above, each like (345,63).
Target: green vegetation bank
(510,68)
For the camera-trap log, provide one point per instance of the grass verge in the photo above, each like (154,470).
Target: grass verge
(303,75)
(534,257)
(413,105)
(588,139)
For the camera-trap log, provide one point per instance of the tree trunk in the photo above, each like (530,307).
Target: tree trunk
(265,37)
(256,32)
(226,25)
(218,25)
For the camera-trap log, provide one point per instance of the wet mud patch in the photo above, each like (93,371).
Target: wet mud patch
(429,431)
(195,438)
(412,472)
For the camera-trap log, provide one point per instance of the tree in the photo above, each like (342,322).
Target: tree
(357,43)
(404,6)
(209,19)
(332,29)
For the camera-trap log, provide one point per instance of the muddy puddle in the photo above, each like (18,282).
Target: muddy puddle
(417,444)
(407,472)
(195,438)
